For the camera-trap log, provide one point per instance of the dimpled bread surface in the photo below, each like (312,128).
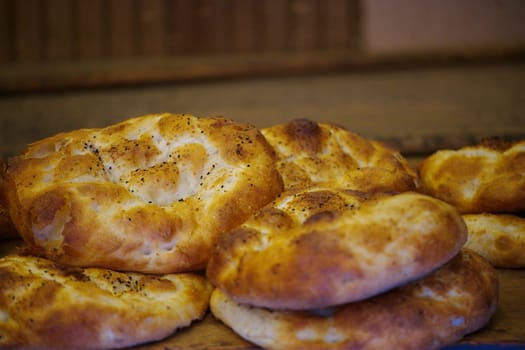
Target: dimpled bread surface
(44,305)
(319,246)
(311,153)
(488,177)
(150,194)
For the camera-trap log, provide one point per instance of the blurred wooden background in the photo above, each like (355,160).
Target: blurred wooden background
(64,43)
(70,43)
(419,74)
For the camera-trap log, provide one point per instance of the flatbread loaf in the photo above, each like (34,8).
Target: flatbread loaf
(311,153)
(150,194)
(44,305)
(430,313)
(317,247)
(488,177)
(499,238)
(7,229)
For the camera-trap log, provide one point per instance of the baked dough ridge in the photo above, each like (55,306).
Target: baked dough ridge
(318,247)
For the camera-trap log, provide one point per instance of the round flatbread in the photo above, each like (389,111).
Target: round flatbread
(44,305)
(488,177)
(499,238)
(150,194)
(317,247)
(430,313)
(323,154)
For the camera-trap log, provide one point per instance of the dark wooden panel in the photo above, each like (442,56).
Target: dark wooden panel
(28,43)
(208,27)
(150,33)
(179,26)
(90,29)
(273,21)
(78,43)
(58,29)
(122,29)
(244,25)
(5,31)
(338,21)
(303,23)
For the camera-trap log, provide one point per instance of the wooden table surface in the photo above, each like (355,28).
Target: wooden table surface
(416,110)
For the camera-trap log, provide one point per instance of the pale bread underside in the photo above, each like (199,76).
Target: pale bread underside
(431,313)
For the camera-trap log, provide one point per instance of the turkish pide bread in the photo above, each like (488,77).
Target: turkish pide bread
(499,238)
(430,313)
(487,177)
(317,247)
(311,153)
(149,194)
(44,305)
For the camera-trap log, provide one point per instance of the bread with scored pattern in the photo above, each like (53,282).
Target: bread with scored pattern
(150,194)
(488,177)
(45,305)
(319,246)
(311,153)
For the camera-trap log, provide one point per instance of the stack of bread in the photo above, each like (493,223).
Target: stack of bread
(486,183)
(309,235)
(349,255)
(119,223)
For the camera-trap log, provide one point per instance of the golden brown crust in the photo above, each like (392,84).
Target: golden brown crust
(488,177)
(311,153)
(150,194)
(499,238)
(430,313)
(45,305)
(317,247)
(7,229)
